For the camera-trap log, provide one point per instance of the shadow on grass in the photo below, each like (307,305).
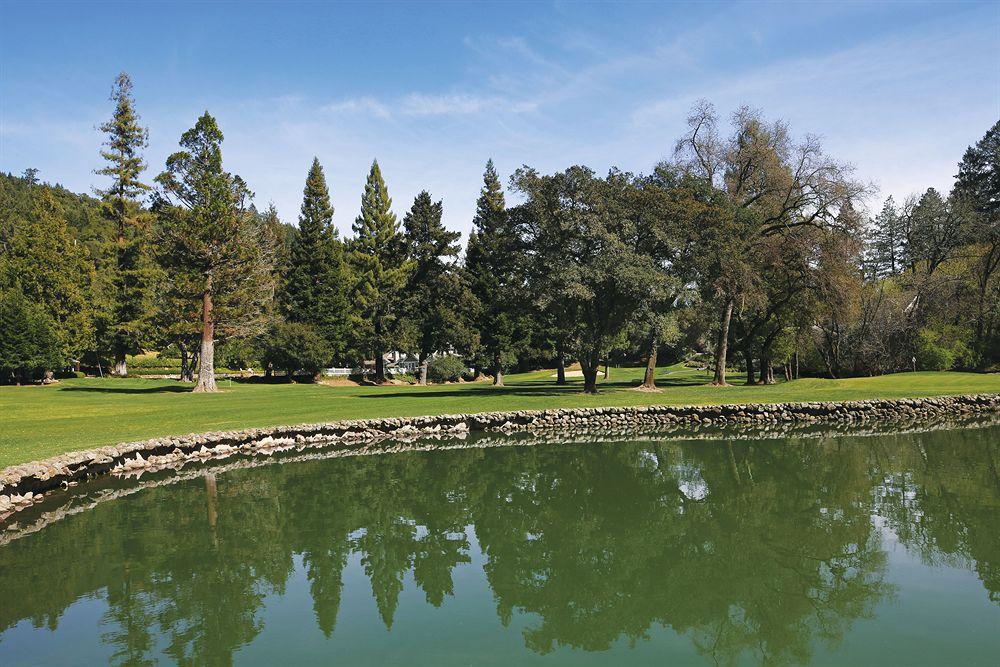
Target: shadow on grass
(527,389)
(131,390)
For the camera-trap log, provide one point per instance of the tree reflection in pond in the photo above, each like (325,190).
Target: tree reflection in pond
(755,551)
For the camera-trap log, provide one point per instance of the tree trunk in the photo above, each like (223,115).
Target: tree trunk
(120,368)
(795,370)
(607,369)
(766,370)
(560,366)
(751,374)
(589,379)
(590,363)
(187,363)
(989,264)
(497,371)
(206,371)
(379,366)
(423,370)
(649,379)
(722,345)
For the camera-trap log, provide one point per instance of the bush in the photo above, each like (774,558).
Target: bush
(932,354)
(296,347)
(237,354)
(445,369)
(152,361)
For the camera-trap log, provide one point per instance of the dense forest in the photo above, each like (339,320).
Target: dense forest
(744,248)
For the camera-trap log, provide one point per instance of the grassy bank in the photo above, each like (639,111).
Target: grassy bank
(38,422)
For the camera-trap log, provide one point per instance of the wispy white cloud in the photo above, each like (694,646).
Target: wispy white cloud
(359,105)
(899,98)
(422,104)
(430,104)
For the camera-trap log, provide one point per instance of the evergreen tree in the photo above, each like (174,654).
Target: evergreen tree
(315,293)
(28,340)
(133,278)
(42,260)
(438,297)
(222,252)
(378,259)
(888,241)
(935,225)
(492,260)
(979,186)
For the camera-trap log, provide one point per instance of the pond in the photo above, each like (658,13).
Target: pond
(833,549)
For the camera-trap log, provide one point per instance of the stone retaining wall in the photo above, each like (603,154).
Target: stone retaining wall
(23,485)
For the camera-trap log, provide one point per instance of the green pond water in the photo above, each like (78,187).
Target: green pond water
(833,550)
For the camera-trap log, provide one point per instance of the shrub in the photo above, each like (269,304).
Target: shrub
(445,369)
(237,354)
(152,361)
(295,347)
(932,354)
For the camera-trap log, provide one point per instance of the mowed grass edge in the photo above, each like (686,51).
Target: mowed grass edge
(39,422)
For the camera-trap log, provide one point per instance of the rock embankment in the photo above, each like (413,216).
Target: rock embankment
(23,485)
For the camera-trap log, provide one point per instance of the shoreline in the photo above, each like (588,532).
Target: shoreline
(115,487)
(24,485)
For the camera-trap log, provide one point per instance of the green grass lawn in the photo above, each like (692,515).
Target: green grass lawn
(38,422)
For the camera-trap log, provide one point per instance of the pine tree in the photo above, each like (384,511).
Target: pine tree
(133,271)
(378,258)
(218,251)
(978,185)
(888,243)
(439,300)
(935,225)
(28,340)
(492,261)
(315,293)
(43,261)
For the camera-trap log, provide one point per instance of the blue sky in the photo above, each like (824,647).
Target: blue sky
(433,90)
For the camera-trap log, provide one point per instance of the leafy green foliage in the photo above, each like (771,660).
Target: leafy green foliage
(586,233)
(294,347)
(446,368)
(41,259)
(942,349)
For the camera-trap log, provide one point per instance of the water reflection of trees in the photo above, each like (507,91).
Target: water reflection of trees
(750,549)
(941,496)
